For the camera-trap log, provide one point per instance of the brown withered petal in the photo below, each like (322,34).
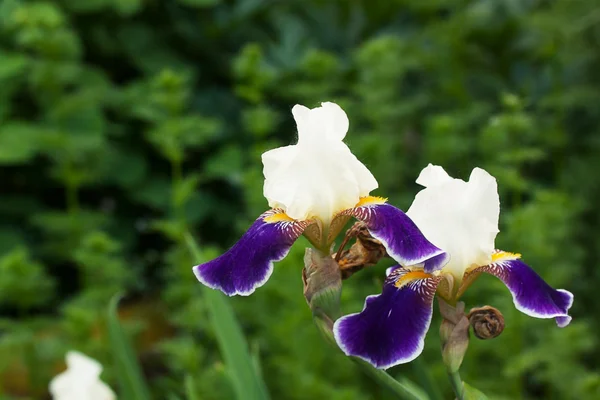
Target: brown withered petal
(365,252)
(487,322)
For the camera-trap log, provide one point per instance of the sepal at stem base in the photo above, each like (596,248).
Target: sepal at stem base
(454,334)
(322,284)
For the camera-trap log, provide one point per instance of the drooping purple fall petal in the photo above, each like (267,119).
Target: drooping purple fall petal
(391,328)
(401,238)
(531,294)
(249,263)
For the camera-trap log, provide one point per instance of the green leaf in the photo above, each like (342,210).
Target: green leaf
(127,7)
(12,66)
(185,188)
(200,3)
(234,349)
(18,143)
(131,382)
(470,393)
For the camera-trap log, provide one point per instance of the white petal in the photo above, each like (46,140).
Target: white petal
(319,176)
(81,380)
(457,216)
(433,175)
(326,123)
(83,365)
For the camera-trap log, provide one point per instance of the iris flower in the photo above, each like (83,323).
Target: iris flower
(462,219)
(81,380)
(313,188)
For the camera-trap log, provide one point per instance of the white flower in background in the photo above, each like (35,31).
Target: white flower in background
(81,380)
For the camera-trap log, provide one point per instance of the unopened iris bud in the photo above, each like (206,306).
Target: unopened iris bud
(487,322)
(454,333)
(322,284)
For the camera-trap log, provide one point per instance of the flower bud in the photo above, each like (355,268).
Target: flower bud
(487,322)
(454,334)
(322,284)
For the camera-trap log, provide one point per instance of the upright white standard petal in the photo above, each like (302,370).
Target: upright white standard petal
(81,380)
(459,217)
(318,176)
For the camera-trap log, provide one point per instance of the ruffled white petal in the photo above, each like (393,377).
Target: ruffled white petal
(457,216)
(433,175)
(81,380)
(328,122)
(319,176)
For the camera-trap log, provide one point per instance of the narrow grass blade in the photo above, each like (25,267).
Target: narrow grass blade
(190,389)
(246,380)
(473,394)
(131,382)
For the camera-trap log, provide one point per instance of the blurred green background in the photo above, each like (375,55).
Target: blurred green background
(125,123)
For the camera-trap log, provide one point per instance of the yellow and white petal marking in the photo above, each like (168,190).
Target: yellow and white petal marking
(473,272)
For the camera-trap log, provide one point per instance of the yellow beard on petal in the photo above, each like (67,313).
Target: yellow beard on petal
(278,217)
(472,272)
(500,256)
(370,200)
(411,276)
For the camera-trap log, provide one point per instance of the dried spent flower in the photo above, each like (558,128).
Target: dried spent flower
(487,322)
(365,252)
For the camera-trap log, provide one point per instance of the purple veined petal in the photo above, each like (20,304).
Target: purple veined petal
(391,328)
(248,264)
(531,294)
(400,236)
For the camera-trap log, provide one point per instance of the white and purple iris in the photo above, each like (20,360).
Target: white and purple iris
(313,188)
(462,219)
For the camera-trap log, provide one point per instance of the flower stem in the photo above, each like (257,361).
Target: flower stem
(401,390)
(457,384)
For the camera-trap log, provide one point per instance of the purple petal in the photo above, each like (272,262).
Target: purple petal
(391,328)
(249,263)
(401,238)
(531,294)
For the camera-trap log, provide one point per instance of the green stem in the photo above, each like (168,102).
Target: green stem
(457,384)
(399,389)
(176,178)
(176,174)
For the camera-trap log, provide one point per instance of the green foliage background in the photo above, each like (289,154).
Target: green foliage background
(124,123)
